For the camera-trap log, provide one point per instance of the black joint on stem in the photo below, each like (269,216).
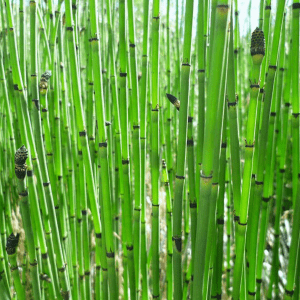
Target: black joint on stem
(16,87)
(282,170)
(79,221)
(84,212)
(178,242)
(136,126)
(186,64)
(228,236)
(222,6)
(296,5)
(249,146)
(62,269)
(193,205)
(23,194)
(201,71)
(231,104)
(266,199)
(69,28)
(29,173)
(273,67)
(220,222)
(110,254)
(253,176)
(81,277)
(281,69)
(179,177)
(258,280)
(268,7)
(287,104)
(104,269)
(59,177)
(290,293)
(236,13)
(82,133)
(155,296)
(190,119)
(98,268)
(224,145)
(103,145)
(242,224)
(129,248)
(156,18)
(273,114)
(251,293)
(45,184)
(215,183)
(137,209)
(125,161)
(79,152)
(190,142)
(44,110)
(155,205)
(34,263)
(295,115)
(87,273)
(154,109)
(45,255)
(123,74)
(259,182)
(254,86)
(98,235)
(132,45)
(276,235)
(235,51)
(56,207)
(74,6)
(261,90)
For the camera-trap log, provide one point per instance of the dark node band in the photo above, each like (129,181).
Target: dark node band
(136,126)
(156,18)
(253,176)
(295,115)
(201,71)
(154,109)
(258,280)
(282,170)
(129,248)
(220,222)
(242,224)
(215,183)
(137,209)
(98,235)
(231,104)
(29,173)
(79,221)
(259,182)
(74,6)
(185,64)
(84,212)
(273,114)
(178,242)
(249,146)
(155,296)
(57,207)
(193,205)
(190,119)
(281,69)
(179,177)
(46,184)
(276,235)
(69,28)
(251,293)
(44,110)
(254,86)
(110,254)
(223,6)
(169,119)
(290,293)
(273,67)
(266,199)
(235,51)
(59,177)
(81,277)
(33,264)
(82,133)
(45,255)
(287,104)
(132,45)
(23,194)
(155,205)
(190,142)
(79,152)
(223,145)
(98,268)
(261,90)
(296,5)
(268,7)
(62,269)
(123,74)
(125,161)
(87,273)
(103,145)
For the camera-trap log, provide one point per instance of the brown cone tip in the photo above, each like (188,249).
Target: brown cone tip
(257,42)
(21,156)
